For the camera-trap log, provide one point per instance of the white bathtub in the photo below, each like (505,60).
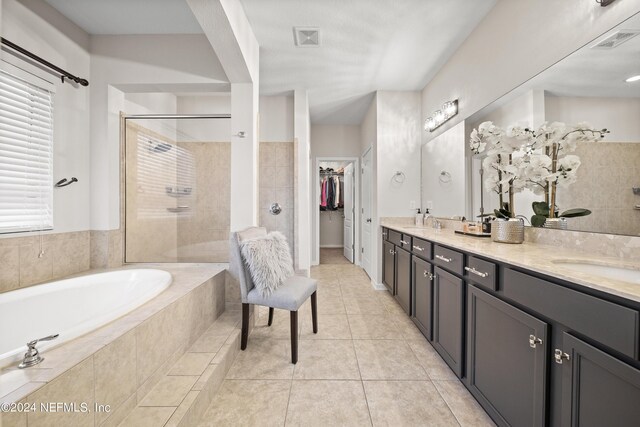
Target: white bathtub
(72,307)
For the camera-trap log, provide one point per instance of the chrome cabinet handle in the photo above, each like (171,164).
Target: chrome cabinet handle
(534,341)
(442,258)
(476,272)
(428,274)
(418,248)
(391,252)
(384,234)
(403,242)
(559,356)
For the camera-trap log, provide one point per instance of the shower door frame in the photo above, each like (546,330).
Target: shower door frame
(123,156)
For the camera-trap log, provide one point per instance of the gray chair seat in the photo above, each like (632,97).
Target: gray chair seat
(289,296)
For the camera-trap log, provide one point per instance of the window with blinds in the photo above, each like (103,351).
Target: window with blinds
(26,155)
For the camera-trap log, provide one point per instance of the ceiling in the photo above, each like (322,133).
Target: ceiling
(130,16)
(597,72)
(366,45)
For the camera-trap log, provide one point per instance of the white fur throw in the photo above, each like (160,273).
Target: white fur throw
(269,261)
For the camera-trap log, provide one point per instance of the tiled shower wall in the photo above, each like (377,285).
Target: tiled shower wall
(277,185)
(608,172)
(210,219)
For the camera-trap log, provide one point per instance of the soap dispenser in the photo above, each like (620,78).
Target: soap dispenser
(419,218)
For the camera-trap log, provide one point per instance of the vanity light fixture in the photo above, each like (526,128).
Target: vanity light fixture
(439,117)
(633,79)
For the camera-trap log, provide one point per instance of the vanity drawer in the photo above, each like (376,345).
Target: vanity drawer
(421,248)
(613,325)
(449,259)
(394,237)
(482,272)
(405,242)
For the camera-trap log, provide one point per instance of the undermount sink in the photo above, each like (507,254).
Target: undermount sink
(622,273)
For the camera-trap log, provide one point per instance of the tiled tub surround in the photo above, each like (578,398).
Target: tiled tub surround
(537,256)
(64,254)
(120,363)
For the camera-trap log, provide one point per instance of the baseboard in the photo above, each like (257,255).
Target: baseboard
(378,286)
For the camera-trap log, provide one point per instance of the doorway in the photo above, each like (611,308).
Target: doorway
(336,211)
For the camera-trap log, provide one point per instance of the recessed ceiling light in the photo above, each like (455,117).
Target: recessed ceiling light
(633,79)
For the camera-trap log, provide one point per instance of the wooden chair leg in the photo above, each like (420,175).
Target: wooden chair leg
(294,337)
(270,316)
(314,311)
(245,326)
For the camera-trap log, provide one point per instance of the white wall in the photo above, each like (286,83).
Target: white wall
(398,145)
(212,130)
(138,63)
(399,133)
(445,153)
(516,41)
(276,118)
(621,116)
(71,207)
(304,183)
(335,141)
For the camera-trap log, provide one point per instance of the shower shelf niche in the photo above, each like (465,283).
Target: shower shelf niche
(178,191)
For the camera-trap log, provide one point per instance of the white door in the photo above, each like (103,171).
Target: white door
(348,212)
(366,212)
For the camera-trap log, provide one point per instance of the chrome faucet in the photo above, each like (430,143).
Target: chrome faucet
(32,356)
(434,222)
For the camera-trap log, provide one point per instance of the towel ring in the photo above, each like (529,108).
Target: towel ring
(399,177)
(445,177)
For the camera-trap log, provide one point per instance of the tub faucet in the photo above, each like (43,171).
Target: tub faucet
(32,356)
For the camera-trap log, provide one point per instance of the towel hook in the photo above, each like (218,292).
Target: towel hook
(399,177)
(445,177)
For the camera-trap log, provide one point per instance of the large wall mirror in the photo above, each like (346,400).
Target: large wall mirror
(599,188)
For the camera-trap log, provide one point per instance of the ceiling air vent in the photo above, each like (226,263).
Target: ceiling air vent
(306,36)
(616,39)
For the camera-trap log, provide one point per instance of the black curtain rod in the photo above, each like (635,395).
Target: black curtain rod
(63,74)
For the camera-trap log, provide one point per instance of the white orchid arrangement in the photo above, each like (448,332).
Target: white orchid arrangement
(500,166)
(538,159)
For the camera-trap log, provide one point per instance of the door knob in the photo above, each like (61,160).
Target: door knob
(368,219)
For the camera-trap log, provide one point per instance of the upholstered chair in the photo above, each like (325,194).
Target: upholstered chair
(289,296)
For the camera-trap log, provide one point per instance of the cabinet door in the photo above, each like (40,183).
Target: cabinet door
(422,273)
(506,360)
(389,266)
(448,303)
(597,389)
(403,279)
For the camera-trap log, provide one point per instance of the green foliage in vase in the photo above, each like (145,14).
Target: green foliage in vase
(541,212)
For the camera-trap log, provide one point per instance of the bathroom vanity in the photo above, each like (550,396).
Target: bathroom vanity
(535,342)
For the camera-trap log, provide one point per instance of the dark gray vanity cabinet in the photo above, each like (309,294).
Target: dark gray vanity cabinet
(597,389)
(507,356)
(422,279)
(403,279)
(389,266)
(448,313)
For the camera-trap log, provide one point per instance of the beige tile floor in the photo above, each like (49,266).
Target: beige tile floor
(368,365)
(332,256)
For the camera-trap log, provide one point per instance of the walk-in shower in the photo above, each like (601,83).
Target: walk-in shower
(177,188)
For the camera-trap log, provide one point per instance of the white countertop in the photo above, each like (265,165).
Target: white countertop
(532,256)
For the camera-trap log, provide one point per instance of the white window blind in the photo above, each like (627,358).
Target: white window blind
(26,155)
